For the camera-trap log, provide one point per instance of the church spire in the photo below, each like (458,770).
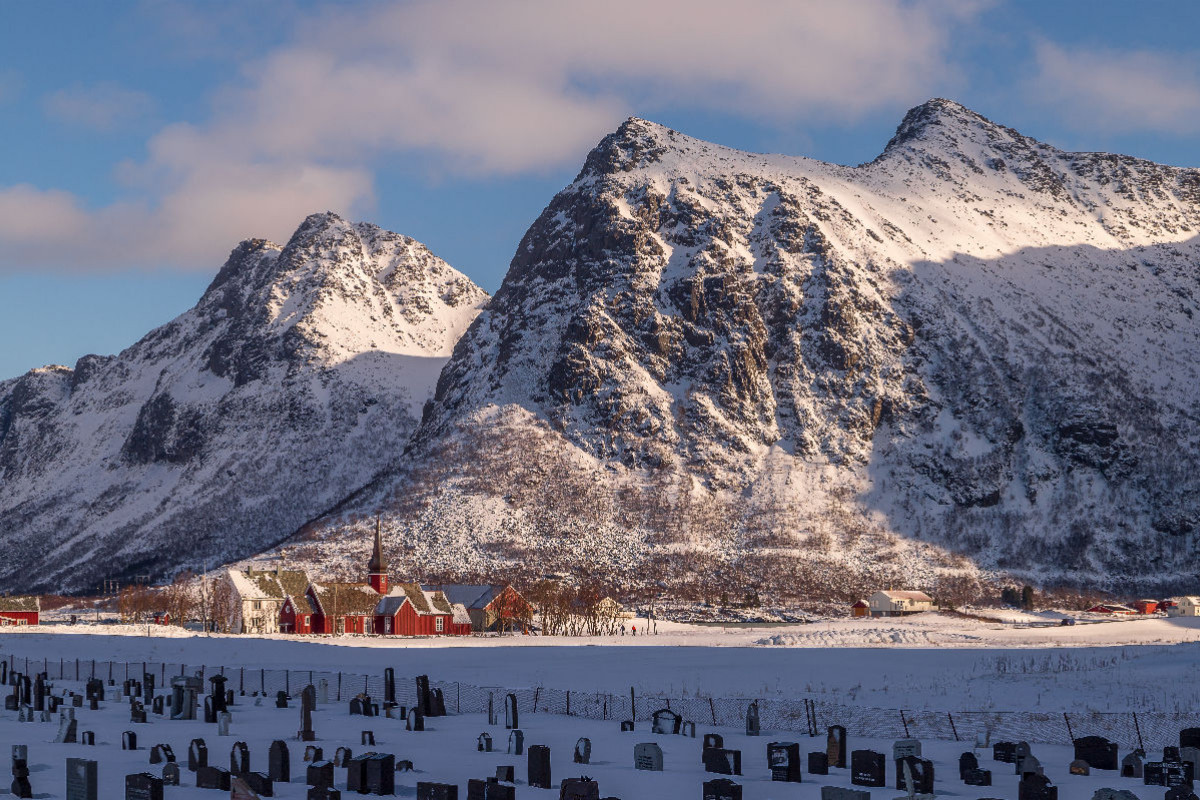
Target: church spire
(377,566)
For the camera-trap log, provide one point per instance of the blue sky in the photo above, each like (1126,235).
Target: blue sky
(140,141)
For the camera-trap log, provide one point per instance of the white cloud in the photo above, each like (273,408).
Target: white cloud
(100,107)
(480,88)
(1119,91)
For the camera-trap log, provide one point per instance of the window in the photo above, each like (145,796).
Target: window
(441,624)
(387,625)
(307,619)
(258,605)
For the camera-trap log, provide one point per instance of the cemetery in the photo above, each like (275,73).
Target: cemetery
(83,730)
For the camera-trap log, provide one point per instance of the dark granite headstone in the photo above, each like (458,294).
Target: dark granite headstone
(312,753)
(1036,787)
(506,773)
(212,778)
(82,779)
(921,770)
(721,761)
(342,756)
(1189,737)
(583,751)
(1131,766)
(161,753)
(143,786)
(279,762)
(753,725)
(967,761)
(665,721)
(721,789)
(239,758)
(319,773)
(197,755)
(1098,752)
(170,774)
(977,777)
(582,788)
(1174,793)
(257,782)
(516,743)
(539,766)
(1005,752)
(436,791)
(367,738)
(627,726)
(818,763)
(867,768)
(511,720)
(281,699)
(129,740)
(380,774)
(783,759)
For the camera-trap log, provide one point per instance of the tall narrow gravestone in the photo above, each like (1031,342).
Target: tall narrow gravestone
(539,766)
(510,712)
(82,779)
(753,726)
(389,686)
(307,702)
(835,746)
(279,762)
(20,771)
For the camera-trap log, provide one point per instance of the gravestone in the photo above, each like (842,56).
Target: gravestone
(224,719)
(1131,766)
(307,703)
(1036,787)
(835,746)
(1189,737)
(239,758)
(921,772)
(424,700)
(712,740)
(217,692)
(516,743)
(492,720)
(279,762)
(506,774)
(1167,773)
(665,721)
(380,774)
(67,727)
(197,755)
(867,768)
(582,788)
(281,699)
(323,691)
(1174,793)
(389,685)
(842,793)
(1190,755)
(323,793)
(1118,794)
(583,751)
(818,763)
(147,687)
(483,744)
(129,740)
(319,773)
(82,779)
(312,753)
(510,712)
(356,706)
(210,712)
(185,689)
(627,726)
(88,738)
(1079,767)
(721,761)
(539,766)
(647,756)
(143,786)
(967,761)
(721,789)
(161,753)
(436,791)
(1029,764)
(977,777)
(1098,752)
(903,748)
(416,721)
(250,786)
(688,729)
(170,774)
(1170,753)
(212,778)
(439,703)
(753,726)
(157,705)
(783,759)
(1005,752)
(342,756)
(20,786)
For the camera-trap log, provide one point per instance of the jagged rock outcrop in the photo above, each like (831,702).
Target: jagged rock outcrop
(299,375)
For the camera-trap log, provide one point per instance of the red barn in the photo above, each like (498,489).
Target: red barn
(343,607)
(1146,606)
(409,610)
(20,610)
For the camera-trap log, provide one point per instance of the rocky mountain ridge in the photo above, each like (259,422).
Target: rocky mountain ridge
(298,376)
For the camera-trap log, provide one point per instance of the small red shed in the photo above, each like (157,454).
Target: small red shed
(408,610)
(860,609)
(1146,606)
(20,610)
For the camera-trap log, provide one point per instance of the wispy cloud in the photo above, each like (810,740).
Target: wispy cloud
(99,107)
(479,88)
(1118,91)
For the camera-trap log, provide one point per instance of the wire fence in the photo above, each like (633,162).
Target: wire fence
(1147,730)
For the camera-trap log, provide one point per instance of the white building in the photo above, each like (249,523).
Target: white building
(1185,607)
(260,595)
(897,604)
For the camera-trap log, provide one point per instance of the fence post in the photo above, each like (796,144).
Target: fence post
(903,720)
(262,681)
(1070,733)
(1138,728)
(568,702)
(339,695)
(632,705)
(952,728)
(713,710)
(457,697)
(536,693)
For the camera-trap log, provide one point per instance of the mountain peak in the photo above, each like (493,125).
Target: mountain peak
(938,120)
(636,143)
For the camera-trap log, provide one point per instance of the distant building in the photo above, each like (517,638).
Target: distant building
(860,609)
(899,604)
(1185,607)
(261,595)
(19,610)
(1112,608)
(1146,606)
(411,610)
(491,607)
(343,607)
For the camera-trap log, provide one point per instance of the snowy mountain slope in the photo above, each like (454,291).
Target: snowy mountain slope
(298,376)
(779,371)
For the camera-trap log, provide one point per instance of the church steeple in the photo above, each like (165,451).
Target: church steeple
(377,566)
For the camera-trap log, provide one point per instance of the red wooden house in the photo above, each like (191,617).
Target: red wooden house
(1146,606)
(492,607)
(343,607)
(20,610)
(409,610)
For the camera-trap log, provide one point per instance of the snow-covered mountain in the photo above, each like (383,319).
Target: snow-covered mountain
(727,370)
(299,375)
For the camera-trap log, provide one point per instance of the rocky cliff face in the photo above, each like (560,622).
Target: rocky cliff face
(974,345)
(299,375)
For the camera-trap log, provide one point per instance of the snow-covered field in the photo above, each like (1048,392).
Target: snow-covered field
(927,662)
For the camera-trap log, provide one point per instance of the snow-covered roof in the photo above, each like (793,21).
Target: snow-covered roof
(919,597)
(461,615)
(346,599)
(20,603)
(470,595)
(424,602)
